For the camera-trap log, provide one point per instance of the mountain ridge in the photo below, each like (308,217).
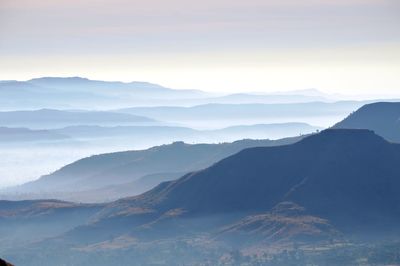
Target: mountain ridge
(383,118)
(119,168)
(181,193)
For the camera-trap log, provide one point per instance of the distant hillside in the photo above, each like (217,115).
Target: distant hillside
(8,135)
(107,176)
(226,115)
(48,118)
(146,133)
(383,118)
(246,98)
(140,132)
(266,131)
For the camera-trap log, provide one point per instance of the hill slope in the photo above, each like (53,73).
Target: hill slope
(125,169)
(383,118)
(329,186)
(349,177)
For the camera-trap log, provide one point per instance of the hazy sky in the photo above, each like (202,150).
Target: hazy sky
(344,46)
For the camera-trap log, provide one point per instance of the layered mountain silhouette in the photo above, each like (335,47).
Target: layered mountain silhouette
(115,175)
(56,147)
(383,118)
(215,111)
(77,92)
(349,177)
(143,132)
(140,89)
(336,184)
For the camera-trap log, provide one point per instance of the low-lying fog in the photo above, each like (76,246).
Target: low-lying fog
(24,161)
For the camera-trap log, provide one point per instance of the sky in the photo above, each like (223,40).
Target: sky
(341,46)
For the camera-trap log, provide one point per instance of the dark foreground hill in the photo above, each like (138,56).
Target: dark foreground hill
(4,263)
(329,190)
(383,118)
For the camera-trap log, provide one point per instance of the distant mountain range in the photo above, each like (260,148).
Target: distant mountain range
(144,132)
(115,175)
(240,114)
(189,108)
(83,93)
(215,111)
(383,118)
(210,116)
(247,98)
(336,186)
(76,92)
(53,148)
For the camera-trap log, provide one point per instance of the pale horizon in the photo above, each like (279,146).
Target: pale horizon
(345,47)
